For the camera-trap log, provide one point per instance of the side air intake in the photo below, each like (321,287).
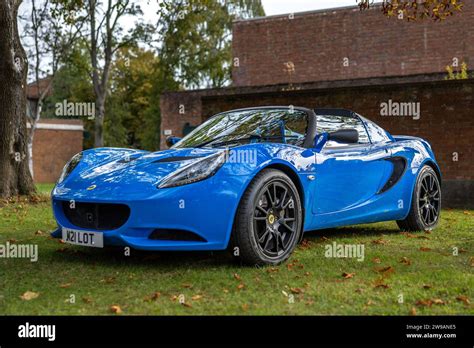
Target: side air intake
(399,166)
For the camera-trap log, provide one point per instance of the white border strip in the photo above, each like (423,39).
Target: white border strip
(55,126)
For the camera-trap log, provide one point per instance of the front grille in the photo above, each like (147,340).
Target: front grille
(175,235)
(96,216)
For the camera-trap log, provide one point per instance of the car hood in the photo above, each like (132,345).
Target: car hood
(122,172)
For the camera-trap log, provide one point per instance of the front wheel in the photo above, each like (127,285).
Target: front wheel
(426,203)
(268,223)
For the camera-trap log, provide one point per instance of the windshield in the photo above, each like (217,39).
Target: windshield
(250,125)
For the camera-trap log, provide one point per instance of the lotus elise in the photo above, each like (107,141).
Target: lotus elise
(252,180)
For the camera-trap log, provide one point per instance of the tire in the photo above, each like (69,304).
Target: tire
(426,203)
(268,223)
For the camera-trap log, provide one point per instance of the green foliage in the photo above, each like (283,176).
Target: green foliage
(129,103)
(457,75)
(194,51)
(413,10)
(196,39)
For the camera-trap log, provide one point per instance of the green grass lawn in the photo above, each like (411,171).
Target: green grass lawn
(419,267)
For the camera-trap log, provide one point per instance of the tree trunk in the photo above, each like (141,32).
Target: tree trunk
(99,121)
(15,177)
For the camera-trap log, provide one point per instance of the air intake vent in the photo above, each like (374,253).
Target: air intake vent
(96,216)
(399,165)
(176,235)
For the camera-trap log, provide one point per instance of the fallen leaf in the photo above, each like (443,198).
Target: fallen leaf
(348,275)
(188,305)
(467,212)
(413,311)
(245,307)
(405,261)
(385,270)
(284,293)
(438,301)
(272,270)
(462,250)
(305,244)
(87,300)
(381,285)
(236,276)
(65,286)
(296,290)
(39,233)
(307,274)
(472,261)
(116,309)
(241,286)
(29,295)
(464,299)
(376,260)
(408,235)
(370,303)
(379,241)
(427,286)
(187,286)
(196,297)
(425,249)
(156,295)
(226,291)
(359,290)
(426,303)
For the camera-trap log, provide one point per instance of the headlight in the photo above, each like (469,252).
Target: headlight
(69,167)
(195,171)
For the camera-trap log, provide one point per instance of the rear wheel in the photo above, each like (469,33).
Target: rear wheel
(268,222)
(426,203)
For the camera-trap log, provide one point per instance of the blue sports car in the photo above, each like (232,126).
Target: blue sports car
(252,180)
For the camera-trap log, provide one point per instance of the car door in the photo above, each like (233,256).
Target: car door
(348,176)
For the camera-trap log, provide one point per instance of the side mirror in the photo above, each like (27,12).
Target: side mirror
(171,140)
(320,140)
(345,136)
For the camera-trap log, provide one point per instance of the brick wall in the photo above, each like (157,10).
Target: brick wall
(446,118)
(55,142)
(177,109)
(316,43)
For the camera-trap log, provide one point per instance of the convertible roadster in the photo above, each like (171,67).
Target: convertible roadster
(252,180)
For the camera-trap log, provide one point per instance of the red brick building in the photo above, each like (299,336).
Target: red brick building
(55,140)
(356,60)
(54,143)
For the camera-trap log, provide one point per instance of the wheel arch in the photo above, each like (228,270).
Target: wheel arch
(435,167)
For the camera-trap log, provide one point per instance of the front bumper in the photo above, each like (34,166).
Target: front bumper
(203,208)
